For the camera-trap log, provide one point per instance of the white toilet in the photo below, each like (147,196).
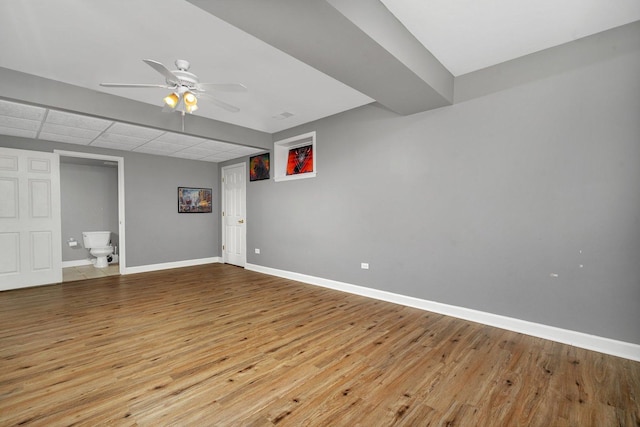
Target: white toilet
(98,244)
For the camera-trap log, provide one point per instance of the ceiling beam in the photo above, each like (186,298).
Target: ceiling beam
(30,89)
(357,42)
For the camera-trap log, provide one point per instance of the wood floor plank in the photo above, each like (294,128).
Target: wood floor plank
(217,345)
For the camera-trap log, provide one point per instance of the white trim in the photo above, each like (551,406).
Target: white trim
(76,263)
(565,336)
(122,259)
(168,265)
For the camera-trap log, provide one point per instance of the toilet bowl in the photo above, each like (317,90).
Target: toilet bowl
(98,244)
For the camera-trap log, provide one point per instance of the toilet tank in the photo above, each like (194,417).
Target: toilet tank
(96,239)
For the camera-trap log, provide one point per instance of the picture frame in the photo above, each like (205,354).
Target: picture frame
(194,200)
(259,167)
(300,160)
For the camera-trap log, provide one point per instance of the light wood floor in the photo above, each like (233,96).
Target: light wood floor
(217,345)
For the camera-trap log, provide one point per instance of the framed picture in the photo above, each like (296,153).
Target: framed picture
(300,160)
(259,167)
(194,200)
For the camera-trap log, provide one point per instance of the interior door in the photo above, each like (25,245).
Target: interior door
(234,244)
(30,227)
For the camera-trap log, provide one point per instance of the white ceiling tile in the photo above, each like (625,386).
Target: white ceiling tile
(134,131)
(222,157)
(113,145)
(120,139)
(176,138)
(199,151)
(64,138)
(22,111)
(69,131)
(246,150)
(77,121)
(184,155)
(160,146)
(217,146)
(17,132)
(148,150)
(18,123)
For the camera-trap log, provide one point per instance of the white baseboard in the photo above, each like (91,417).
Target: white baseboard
(565,336)
(168,265)
(76,263)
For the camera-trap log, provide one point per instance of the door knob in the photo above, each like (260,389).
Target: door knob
(241,221)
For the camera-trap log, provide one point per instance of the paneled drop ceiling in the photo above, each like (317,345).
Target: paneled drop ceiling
(29,121)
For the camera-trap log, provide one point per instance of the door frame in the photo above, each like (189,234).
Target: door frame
(222,208)
(122,259)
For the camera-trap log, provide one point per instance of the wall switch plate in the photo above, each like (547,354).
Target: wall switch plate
(257,250)
(364,265)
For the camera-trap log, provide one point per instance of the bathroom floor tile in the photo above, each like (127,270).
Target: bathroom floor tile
(71,274)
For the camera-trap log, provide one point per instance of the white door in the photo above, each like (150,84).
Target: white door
(30,236)
(234,244)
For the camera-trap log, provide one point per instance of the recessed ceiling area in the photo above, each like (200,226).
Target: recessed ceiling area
(30,121)
(85,43)
(468,35)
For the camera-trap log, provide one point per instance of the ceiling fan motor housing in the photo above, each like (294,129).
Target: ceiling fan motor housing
(183,77)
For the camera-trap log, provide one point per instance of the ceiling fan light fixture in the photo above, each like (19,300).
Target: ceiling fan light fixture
(172,100)
(190,99)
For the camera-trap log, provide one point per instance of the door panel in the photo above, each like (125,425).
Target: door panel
(41,250)
(9,198)
(30,242)
(10,242)
(40,198)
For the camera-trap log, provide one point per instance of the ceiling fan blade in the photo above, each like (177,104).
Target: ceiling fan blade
(134,85)
(219,103)
(222,87)
(161,69)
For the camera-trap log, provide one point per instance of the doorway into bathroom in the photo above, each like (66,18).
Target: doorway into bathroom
(92,199)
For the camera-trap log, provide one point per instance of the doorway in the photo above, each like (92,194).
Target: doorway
(80,271)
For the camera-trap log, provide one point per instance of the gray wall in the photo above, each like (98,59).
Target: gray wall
(155,232)
(89,202)
(478,204)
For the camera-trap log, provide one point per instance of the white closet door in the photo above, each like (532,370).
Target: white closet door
(234,244)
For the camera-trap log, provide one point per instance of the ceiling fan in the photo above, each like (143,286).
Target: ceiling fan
(185,88)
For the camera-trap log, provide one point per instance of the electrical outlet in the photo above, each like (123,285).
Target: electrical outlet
(257,250)
(364,265)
